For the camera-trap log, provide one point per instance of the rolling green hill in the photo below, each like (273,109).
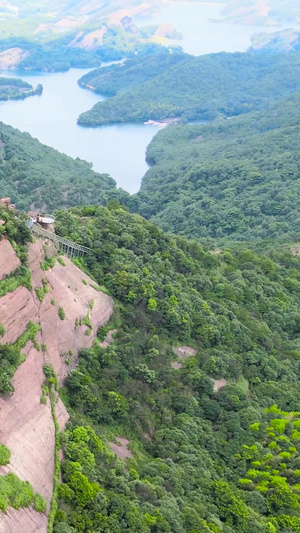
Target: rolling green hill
(60,35)
(232,179)
(200,88)
(110,80)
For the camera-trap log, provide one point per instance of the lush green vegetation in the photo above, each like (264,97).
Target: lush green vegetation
(11,357)
(214,437)
(14,89)
(43,290)
(14,492)
(4,455)
(31,173)
(137,70)
(19,235)
(194,447)
(50,40)
(61,313)
(202,88)
(236,179)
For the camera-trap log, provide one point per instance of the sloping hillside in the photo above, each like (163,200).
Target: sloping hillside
(232,179)
(29,167)
(57,36)
(68,309)
(201,87)
(202,446)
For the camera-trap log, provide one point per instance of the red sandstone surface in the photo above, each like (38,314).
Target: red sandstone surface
(182,352)
(121,449)
(26,425)
(219,384)
(8,259)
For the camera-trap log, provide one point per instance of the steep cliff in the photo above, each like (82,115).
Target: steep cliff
(61,299)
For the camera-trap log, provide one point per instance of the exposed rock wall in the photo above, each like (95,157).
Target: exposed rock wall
(8,259)
(26,425)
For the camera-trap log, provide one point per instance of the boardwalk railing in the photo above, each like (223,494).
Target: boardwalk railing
(68,247)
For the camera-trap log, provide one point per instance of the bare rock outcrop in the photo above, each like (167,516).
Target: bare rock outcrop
(71,290)
(16,310)
(182,352)
(8,259)
(121,448)
(26,425)
(23,520)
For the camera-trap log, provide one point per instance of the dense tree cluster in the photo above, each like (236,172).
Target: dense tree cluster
(201,87)
(203,458)
(110,80)
(214,430)
(230,180)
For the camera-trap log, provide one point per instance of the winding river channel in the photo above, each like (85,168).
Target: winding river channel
(118,150)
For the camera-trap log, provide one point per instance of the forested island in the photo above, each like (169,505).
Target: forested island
(15,89)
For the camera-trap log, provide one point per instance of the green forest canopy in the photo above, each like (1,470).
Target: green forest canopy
(204,461)
(232,179)
(201,87)
(111,79)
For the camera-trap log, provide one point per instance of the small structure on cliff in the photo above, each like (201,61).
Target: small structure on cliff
(43,219)
(42,226)
(70,248)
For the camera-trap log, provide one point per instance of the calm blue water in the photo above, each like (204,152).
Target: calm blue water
(118,150)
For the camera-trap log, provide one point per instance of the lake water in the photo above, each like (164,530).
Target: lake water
(118,150)
(194,20)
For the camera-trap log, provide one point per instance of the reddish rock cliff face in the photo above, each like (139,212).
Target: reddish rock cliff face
(26,425)
(8,259)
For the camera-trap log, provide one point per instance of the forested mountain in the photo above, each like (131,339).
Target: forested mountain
(234,179)
(57,55)
(201,87)
(32,173)
(206,456)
